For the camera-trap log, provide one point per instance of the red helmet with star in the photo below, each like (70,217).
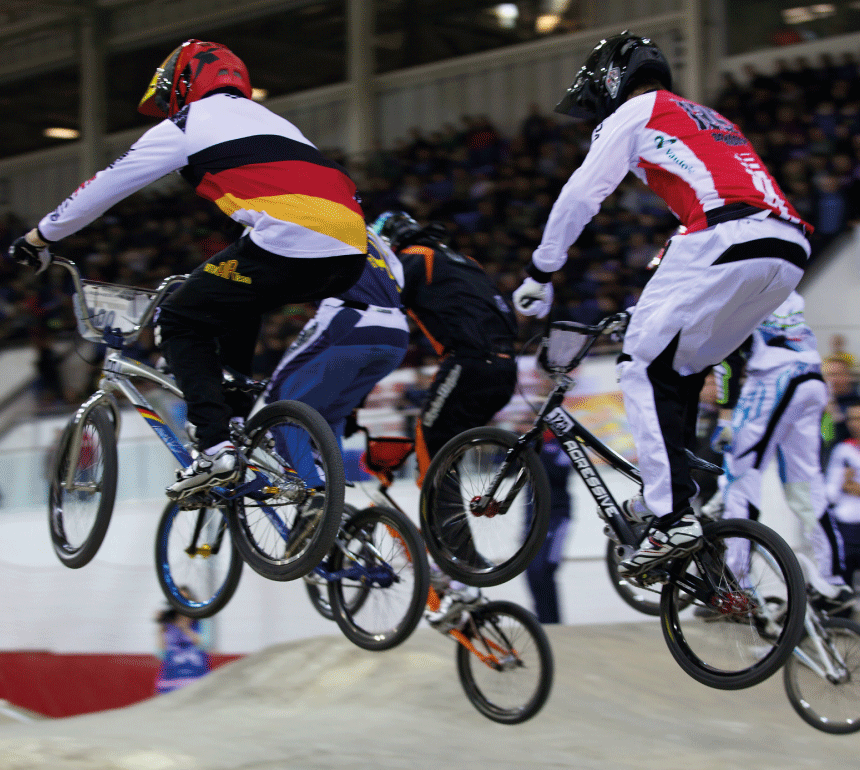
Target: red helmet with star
(193,70)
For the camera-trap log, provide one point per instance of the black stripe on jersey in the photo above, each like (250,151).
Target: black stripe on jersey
(260,148)
(180,118)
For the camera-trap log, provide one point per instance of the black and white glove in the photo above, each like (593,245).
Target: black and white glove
(31,250)
(533,298)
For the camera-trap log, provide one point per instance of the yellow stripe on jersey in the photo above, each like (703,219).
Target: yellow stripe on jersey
(318,214)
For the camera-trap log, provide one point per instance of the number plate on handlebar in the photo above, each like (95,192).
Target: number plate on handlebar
(564,345)
(110,306)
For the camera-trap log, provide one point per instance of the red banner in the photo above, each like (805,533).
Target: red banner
(59,685)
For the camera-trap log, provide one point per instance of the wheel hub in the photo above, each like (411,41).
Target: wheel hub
(734,603)
(491,509)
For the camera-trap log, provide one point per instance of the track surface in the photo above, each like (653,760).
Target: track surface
(618,701)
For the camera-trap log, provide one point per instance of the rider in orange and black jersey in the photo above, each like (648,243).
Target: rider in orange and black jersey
(468,322)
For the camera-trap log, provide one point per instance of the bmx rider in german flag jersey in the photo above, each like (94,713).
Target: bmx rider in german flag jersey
(306,237)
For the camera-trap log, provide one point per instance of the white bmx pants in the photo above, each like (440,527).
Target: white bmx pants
(711,290)
(779,416)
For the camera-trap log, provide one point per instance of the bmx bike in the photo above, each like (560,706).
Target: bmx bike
(480,485)
(281,517)
(504,658)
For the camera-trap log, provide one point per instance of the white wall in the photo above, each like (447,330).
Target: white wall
(108,605)
(503,84)
(18,366)
(765,61)
(832,297)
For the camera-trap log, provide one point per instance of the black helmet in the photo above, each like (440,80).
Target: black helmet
(610,73)
(397,227)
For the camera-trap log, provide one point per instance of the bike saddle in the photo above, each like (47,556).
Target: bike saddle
(236,381)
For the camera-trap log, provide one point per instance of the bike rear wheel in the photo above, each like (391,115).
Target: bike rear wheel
(381,605)
(317,586)
(286,530)
(78,518)
(828,705)
(197,565)
(495,545)
(507,674)
(754,616)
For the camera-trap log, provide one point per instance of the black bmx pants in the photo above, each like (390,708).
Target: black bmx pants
(214,318)
(466,392)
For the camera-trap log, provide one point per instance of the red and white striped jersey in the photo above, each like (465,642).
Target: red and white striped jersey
(696,160)
(257,167)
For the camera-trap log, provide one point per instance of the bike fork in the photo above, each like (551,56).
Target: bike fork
(826,655)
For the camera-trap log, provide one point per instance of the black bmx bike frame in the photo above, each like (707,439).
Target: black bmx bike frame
(574,438)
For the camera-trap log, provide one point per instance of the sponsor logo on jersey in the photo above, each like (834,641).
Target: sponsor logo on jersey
(727,138)
(667,141)
(705,118)
(304,335)
(380,264)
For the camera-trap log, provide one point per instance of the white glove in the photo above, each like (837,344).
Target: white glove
(533,298)
(721,438)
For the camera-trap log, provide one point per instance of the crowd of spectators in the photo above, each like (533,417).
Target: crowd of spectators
(493,193)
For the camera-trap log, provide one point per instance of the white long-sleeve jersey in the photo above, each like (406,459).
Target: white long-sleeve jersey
(697,161)
(257,167)
(783,339)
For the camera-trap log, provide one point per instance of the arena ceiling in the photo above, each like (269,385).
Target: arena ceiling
(288,45)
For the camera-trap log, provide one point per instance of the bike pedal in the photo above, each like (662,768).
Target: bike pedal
(198,496)
(194,502)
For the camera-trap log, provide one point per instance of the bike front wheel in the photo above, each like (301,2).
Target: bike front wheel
(380,602)
(285,529)
(749,605)
(822,681)
(484,543)
(78,516)
(505,662)
(197,565)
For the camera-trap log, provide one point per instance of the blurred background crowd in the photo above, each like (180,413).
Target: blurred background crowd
(493,193)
